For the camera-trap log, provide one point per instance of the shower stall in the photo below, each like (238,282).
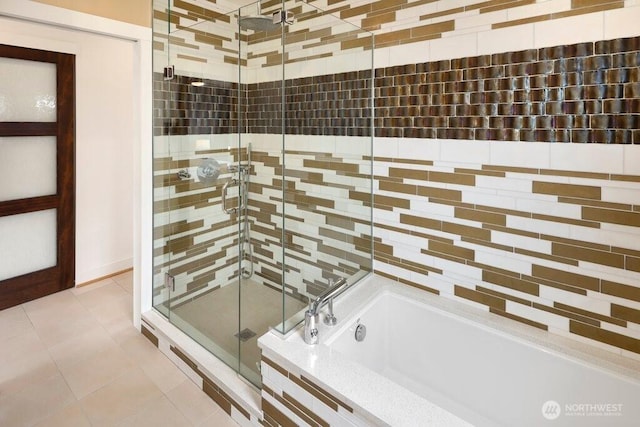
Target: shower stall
(262,166)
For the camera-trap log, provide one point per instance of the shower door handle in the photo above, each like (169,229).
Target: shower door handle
(224,196)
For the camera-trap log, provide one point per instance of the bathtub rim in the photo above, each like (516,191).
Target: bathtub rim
(518,334)
(294,352)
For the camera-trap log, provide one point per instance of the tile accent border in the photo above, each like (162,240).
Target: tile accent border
(582,93)
(585,92)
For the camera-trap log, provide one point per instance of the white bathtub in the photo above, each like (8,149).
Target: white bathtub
(483,369)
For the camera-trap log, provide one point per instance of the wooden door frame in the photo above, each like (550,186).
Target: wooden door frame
(62,276)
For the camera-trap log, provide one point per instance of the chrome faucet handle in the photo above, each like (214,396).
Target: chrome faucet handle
(310,327)
(329,318)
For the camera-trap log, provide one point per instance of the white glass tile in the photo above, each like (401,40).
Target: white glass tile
(28,243)
(28,167)
(27,91)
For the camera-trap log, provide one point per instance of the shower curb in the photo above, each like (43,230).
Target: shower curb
(241,401)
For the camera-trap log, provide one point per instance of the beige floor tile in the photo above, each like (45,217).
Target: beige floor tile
(21,345)
(50,303)
(89,342)
(116,308)
(158,412)
(164,374)
(74,359)
(218,419)
(192,402)
(13,322)
(35,402)
(138,347)
(26,370)
(95,372)
(69,416)
(120,399)
(121,330)
(125,281)
(102,295)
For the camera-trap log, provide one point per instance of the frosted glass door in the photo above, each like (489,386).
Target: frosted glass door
(37,131)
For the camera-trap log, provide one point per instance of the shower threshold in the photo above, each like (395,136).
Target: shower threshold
(234,394)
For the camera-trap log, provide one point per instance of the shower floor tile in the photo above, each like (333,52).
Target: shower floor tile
(216,314)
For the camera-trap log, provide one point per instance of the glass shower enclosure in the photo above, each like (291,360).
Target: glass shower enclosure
(262,167)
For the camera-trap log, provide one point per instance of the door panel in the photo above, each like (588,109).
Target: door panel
(37,192)
(28,167)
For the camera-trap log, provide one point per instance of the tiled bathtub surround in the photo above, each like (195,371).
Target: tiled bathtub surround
(547,234)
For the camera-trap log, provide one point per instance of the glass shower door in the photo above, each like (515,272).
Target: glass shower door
(197,196)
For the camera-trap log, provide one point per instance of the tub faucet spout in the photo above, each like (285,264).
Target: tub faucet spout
(311,315)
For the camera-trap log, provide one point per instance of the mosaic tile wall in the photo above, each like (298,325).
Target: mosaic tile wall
(193,238)
(327,215)
(326,211)
(543,233)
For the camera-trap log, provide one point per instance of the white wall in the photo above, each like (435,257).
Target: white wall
(105,140)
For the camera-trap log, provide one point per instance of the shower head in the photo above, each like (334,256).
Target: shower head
(257,23)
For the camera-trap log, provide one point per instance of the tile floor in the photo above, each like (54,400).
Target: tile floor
(215,315)
(75,359)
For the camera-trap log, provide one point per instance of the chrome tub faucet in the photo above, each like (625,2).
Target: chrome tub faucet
(311,316)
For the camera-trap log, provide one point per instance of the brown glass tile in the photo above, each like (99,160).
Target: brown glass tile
(275,414)
(611,216)
(590,314)
(420,221)
(568,190)
(625,313)
(605,336)
(557,285)
(519,319)
(275,366)
(503,295)
(481,216)
(632,264)
(149,335)
(300,410)
(574,242)
(590,224)
(455,251)
(621,290)
(617,45)
(567,314)
(522,21)
(466,231)
(320,390)
(511,282)
(479,297)
(573,279)
(439,193)
(589,255)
